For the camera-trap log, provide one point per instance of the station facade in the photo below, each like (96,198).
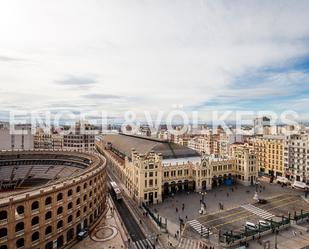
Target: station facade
(151,169)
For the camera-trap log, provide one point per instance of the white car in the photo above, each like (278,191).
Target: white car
(264,223)
(300,185)
(283,180)
(251,226)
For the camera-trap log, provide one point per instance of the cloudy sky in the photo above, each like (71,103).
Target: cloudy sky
(154,55)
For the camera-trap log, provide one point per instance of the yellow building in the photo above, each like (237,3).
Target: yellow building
(270,154)
(246,162)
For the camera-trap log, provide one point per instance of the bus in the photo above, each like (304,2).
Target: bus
(116,190)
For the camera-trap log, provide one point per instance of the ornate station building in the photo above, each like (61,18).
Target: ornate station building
(151,168)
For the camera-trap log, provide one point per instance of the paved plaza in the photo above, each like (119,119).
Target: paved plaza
(229,197)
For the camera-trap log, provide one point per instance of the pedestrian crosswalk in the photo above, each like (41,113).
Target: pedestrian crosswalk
(142,244)
(258,211)
(197,226)
(188,244)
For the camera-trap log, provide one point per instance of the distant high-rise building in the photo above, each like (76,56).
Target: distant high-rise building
(261,126)
(19,139)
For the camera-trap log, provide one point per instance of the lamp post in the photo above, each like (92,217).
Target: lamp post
(202,202)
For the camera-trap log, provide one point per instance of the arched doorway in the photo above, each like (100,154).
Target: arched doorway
(173,187)
(204,185)
(166,188)
(186,185)
(220,180)
(179,185)
(214,182)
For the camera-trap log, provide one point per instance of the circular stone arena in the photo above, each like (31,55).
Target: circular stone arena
(48,197)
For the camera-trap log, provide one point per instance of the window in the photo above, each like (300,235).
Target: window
(59,197)
(85,185)
(78,214)
(48,230)
(19,226)
(3,232)
(48,215)
(20,243)
(59,224)
(78,201)
(70,218)
(48,201)
(70,205)
(3,215)
(35,220)
(70,192)
(59,210)
(35,205)
(35,236)
(78,189)
(20,210)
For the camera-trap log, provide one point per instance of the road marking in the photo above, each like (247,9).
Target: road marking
(188,244)
(258,211)
(243,212)
(142,244)
(197,226)
(240,218)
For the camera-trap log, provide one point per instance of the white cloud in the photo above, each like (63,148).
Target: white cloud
(158,53)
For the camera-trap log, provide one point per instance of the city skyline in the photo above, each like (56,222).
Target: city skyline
(148,56)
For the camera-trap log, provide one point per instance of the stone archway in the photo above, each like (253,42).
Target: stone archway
(179,186)
(214,183)
(166,188)
(186,185)
(173,187)
(204,185)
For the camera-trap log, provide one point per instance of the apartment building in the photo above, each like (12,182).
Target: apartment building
(48,141)
(211,144)
(270,154)
(81,139)
(296,157)
(245,162)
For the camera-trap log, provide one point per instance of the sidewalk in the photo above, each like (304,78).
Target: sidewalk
(109,233)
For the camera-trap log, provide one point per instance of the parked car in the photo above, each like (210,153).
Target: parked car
(264,223)
(283,180)
(300,185)
(251,226)
(82,234)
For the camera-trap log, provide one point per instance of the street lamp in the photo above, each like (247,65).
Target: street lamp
(202,202)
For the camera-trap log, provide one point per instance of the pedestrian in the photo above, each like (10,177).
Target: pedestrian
(186,217)
(176,210)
